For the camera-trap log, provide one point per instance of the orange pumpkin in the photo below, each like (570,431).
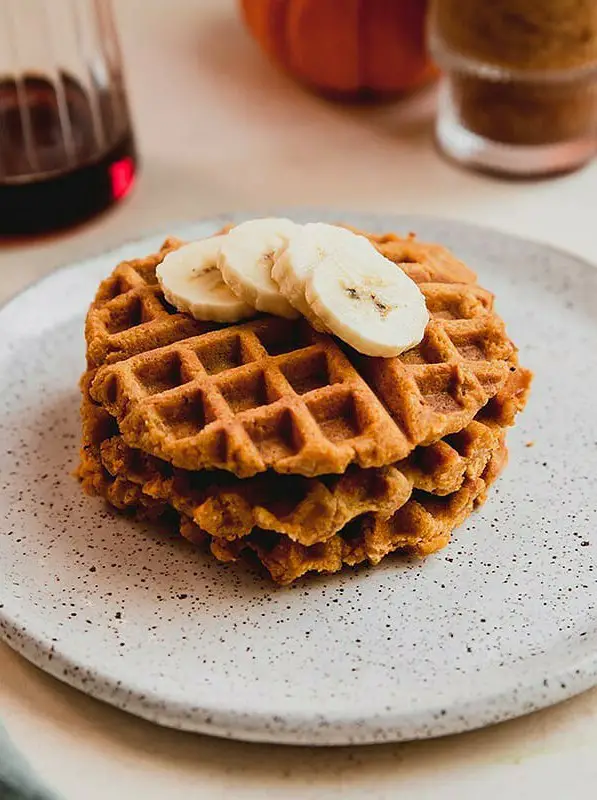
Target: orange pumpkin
(346,47)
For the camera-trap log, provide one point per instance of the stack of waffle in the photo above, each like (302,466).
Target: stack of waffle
(271,439)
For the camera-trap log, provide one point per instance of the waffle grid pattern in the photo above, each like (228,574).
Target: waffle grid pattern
(130,315)
(274,394)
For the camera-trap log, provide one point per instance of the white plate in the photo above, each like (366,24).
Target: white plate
(500,623)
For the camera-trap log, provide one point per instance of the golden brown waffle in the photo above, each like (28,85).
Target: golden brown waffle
(130,315)
(268,394)
(273,394)
(301,534)
(421,526)
(428,262)
(307,510)
(98,427)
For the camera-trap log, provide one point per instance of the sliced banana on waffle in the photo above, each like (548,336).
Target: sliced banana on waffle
(192,283)
(341,281)
(247,256)
(334,277)
(294,262)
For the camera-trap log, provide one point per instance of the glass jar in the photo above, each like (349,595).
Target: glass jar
(67,149)
(519,91)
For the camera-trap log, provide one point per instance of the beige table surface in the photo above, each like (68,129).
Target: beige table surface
(219,130)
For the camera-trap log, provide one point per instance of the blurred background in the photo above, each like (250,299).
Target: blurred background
(219,125)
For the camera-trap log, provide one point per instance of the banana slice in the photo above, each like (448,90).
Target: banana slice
(358,294)
(294,262)
(192,283)
(246,260)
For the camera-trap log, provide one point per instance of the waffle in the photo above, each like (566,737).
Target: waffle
(343,458)
(428,262)
(130,315)
(124,495)
(307,510)
(274,394)
(321,523)
(420,527)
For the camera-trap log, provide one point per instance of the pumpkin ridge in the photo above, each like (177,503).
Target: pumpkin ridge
(282,32)
(361,46)
(345,48)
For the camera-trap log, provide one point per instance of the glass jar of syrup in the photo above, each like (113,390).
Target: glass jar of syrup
(67,149)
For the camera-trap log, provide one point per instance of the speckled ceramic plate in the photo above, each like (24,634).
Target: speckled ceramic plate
(500,623)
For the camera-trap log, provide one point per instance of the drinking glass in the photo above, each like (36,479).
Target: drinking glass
(67,149)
